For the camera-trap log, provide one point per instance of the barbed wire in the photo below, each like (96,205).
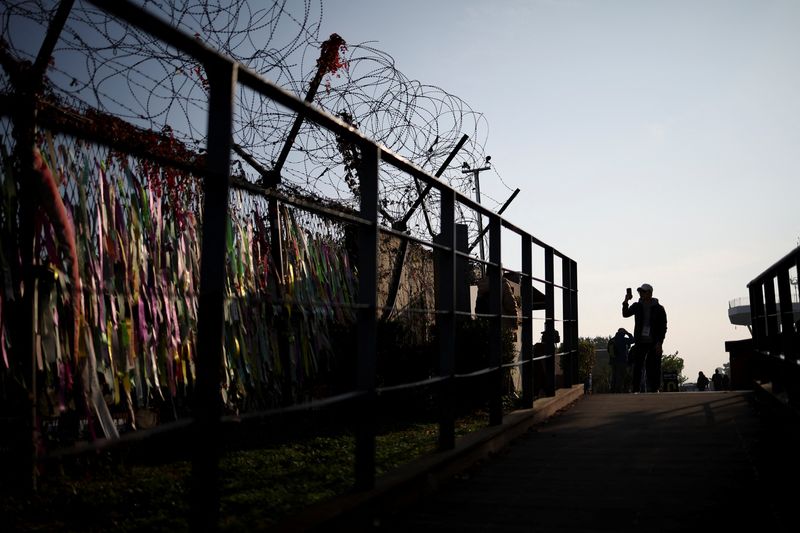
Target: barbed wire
(100,63)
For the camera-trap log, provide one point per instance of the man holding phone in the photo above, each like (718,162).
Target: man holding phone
(649,331)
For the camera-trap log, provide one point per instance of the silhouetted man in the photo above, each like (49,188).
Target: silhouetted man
(648,335)
(716,379)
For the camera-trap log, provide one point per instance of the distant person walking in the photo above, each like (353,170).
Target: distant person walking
(649,330)
(702,381)
(716,379)
(619,345)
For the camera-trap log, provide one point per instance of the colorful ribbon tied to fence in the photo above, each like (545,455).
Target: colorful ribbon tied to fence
(116,319)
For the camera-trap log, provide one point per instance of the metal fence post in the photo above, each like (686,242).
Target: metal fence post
(757,314)
(526,336)
(758,324)
(786,337)
(367,315)
(771,308)
(792,332)
(785,310)
(207,400)
(573,286)
(549,323)
(495,273)
(446,320)
(570,361)
(772,338)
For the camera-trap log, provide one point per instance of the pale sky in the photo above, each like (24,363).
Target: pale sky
(652,141)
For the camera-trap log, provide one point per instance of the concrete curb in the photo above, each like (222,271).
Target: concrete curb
(424,475)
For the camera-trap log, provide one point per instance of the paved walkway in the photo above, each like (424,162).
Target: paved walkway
(708,461)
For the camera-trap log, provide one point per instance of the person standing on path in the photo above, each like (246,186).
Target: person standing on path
(619,346)
(702,381)
(716,379)
(649,330)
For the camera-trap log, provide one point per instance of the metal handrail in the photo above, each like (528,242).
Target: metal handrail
(775,327)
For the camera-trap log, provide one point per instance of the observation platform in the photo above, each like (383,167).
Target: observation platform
(647,462)
(739,311)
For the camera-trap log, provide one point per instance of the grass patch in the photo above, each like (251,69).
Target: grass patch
(257,486)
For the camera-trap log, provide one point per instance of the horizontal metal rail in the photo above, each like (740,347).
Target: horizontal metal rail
(124,440)
(476,373)
(307,205)
(411,238)
(295,408)
(412,385)
(784,263)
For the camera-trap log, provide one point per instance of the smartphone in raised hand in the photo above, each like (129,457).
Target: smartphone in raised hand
(628,293)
